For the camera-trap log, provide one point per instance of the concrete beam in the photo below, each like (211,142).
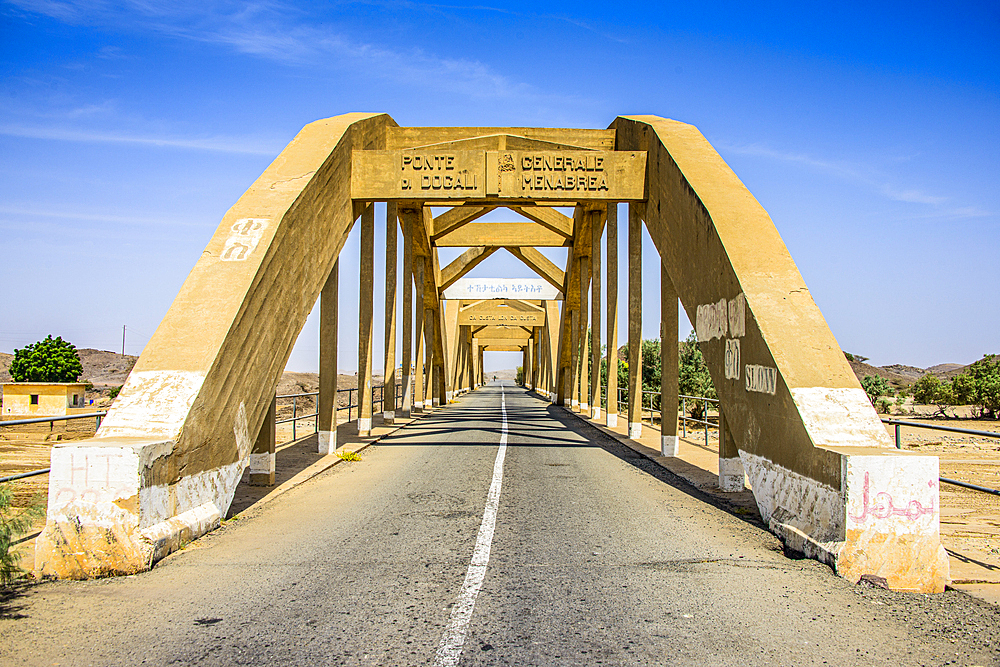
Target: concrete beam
(540,264)
(389,373)
(501,234)
(595,316)
(414,137)
(455,217)
(329,307)
(670,367)
(366,309)
(612,319)
(547,217)
(634,322)
(464,263)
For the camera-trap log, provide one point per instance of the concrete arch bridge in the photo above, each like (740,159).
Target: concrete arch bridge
(195,410)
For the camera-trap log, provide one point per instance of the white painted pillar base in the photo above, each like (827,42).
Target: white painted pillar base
(575,404)
(596,413)
(436,402)
(262,469)
(364,426)
(635,430)
(567,402)
(389,417)
(584,408)
(327,442)
(612,420)
(731,475)
(669,445)
(419,405)
(449,395)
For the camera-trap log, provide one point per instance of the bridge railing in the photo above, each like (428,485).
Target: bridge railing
(653,398)
(708,424)
(377,399)
(899,423)
(97,416)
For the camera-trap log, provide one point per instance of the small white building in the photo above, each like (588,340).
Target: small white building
(43,399)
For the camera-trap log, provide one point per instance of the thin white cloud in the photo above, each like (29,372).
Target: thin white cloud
(23,212)
(270,30)
(912,196)
(215,144)
(875,182)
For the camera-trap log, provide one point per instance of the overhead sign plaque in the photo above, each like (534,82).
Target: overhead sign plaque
(502,288)
(530,175)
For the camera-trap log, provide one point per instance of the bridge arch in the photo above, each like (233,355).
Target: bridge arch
(164,465)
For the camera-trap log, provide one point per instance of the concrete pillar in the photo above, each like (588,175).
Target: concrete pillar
(574,372)
(389,374)
(328,322)
(407,315)
(595,314)
(470,358)
(366,298)
(731,473)
(612,298)
(668,364)
(262,454)
(551,343)
(634,322)
(584,335)
(430,365)
(474,359)
(536,359)
(418,329)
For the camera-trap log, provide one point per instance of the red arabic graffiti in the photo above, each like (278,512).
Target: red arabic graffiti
(882,507)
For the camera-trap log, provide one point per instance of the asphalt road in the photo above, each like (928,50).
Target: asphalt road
(596,557)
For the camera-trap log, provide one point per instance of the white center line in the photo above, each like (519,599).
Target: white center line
(453,640)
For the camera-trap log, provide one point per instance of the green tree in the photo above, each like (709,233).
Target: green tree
(984,376)
(927,389)
(694,379)
(518,376)
(48,360)
(963,389)
(876,387)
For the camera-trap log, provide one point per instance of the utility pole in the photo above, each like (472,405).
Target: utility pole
(123,340)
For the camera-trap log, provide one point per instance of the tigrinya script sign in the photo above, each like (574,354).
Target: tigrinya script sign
(533,175)
(502,288)
(501,315)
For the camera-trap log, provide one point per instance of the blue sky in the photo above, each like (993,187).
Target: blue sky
(869,131)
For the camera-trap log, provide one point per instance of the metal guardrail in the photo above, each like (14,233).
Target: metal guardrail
(41,420)
(380,401)
(684,419)
(899,423)
(59,418)
(296,417)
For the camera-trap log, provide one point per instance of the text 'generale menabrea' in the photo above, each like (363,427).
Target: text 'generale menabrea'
(536,172)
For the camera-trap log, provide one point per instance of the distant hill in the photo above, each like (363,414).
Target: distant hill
(106,369)
(899,375)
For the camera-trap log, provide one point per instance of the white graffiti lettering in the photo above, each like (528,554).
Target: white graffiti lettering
(737,316)
(761,379)
(732,359)
(712,321)
(246,234)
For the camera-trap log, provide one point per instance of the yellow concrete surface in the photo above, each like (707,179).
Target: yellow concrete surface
(42,399)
